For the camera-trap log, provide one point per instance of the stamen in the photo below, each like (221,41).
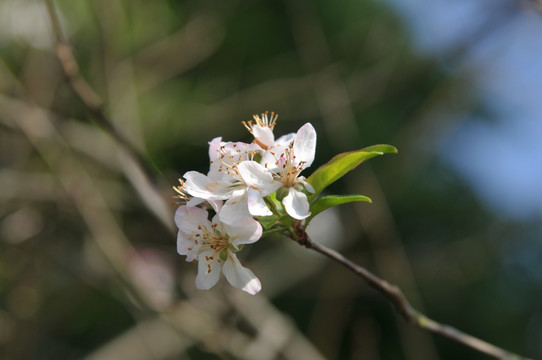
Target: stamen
(288,169)
(209,239)
(183,195)
(228,162)
(263,120)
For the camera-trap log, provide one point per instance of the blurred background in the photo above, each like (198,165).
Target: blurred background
(88,264)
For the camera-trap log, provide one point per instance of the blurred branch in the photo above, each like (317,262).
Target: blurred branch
(84,91)
(105,231)
(407,311)
(140,173)
(168,335)
(198,39)
(77,183)
(277,334)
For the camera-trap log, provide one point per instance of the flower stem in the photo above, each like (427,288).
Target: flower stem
(271,232)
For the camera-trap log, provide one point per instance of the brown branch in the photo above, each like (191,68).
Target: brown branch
(403,306)
(84,91)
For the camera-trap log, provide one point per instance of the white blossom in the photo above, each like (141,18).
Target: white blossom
(236,178)
(213,245)
(240,178)
(286,160)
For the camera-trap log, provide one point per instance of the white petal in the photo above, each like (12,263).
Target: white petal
(244,231)
(308,187)
(209,266)
(255,175)
(263,134)
(215,204)
(195,201)
(241,277)
(214,147)
(204,187)
(285,140)
(188,220)
(192,218)
(296,204)
(234,210)
(214,154)
(183,243)
(256,204)
(269,161)
(305,145)
(179,215)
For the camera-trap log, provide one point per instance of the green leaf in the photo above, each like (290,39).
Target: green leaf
(325,202)
(341,164)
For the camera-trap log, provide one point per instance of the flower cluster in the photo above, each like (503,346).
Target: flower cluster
(244,181)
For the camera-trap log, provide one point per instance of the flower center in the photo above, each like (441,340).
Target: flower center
(288,167)
(230,158)
(205,239)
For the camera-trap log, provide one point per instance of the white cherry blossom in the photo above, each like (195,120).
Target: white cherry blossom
(236,178)
(213,245)
(286,160)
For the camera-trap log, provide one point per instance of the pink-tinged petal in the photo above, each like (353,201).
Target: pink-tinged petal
(244,231)
(214,147)
(234,210)
(296,204)
(209,266)
(305,145)
(263,134)
(202,186)
(183,243)
(215,204)
(256,204)
(240,277)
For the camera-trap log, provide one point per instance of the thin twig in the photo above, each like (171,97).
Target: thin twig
(84,91)
(407,311)
(138,170)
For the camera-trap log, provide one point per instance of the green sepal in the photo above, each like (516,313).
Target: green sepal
(234,249)
(267,221)
(281,193)
(341,164)
(223,255)
(325,202)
